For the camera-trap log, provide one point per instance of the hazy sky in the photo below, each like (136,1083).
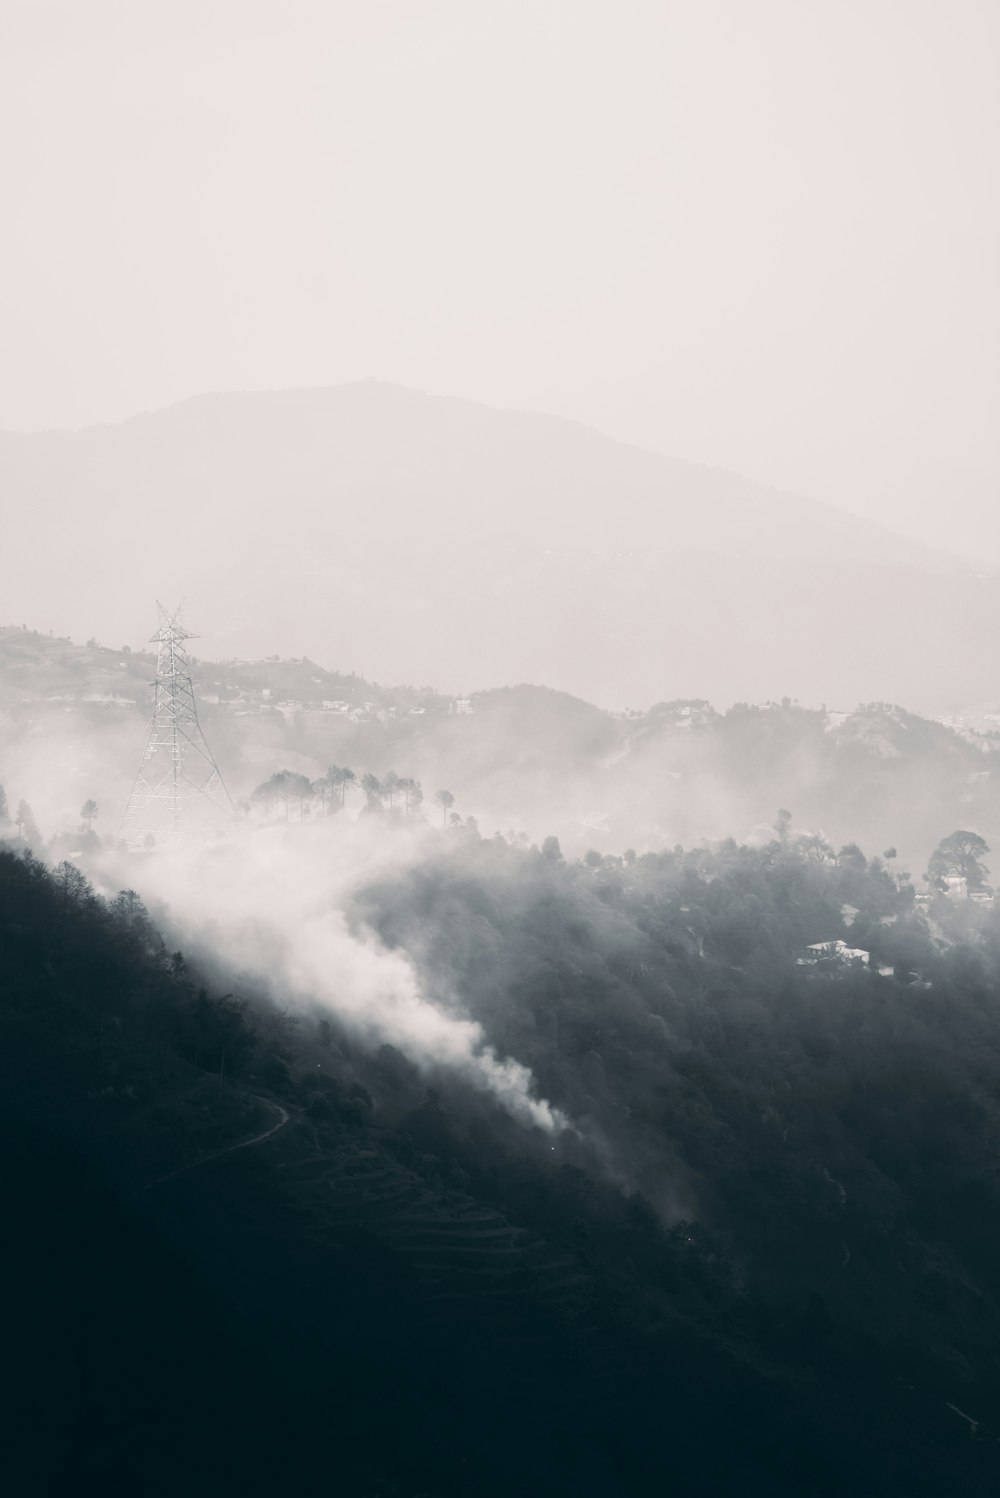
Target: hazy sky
(758,233)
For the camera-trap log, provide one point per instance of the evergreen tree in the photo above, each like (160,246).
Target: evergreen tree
(372,787)
(27,827)
(446,801)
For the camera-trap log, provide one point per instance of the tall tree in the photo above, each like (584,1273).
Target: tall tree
(412,794)
(73,886)
(88,811)
(391,787)
(27,827)
(284,786)
(446,801)
(372,787)
(959,856)
(338,775)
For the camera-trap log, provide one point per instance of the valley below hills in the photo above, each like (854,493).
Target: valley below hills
(525,760)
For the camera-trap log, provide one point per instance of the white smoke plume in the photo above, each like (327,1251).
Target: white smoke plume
(276,901)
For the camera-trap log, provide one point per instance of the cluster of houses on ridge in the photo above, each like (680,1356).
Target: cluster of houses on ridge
(956,887)
(839,956)
(317,713)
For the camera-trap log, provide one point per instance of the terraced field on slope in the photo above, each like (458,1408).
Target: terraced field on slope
(464,1254)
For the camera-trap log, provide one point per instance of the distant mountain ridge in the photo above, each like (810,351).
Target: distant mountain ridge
(414,537)
(73,722)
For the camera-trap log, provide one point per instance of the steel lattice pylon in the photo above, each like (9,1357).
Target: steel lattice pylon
(179,792)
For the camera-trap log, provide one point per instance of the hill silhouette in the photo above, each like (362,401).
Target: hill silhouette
(412,537)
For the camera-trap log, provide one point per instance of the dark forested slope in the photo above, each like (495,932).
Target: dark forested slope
(766,1261)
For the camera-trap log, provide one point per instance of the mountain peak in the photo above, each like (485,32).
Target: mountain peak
(427,537)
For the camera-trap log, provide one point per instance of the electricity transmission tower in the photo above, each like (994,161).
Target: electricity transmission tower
(179,793)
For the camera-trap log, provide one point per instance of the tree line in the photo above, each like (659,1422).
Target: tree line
(288,795)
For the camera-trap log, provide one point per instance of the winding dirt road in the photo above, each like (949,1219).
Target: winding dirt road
(241,1144)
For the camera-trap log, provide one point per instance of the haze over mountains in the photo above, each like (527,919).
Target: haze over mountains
(418,538)
(73,721)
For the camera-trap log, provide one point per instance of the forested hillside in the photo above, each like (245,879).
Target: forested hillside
(762,1257)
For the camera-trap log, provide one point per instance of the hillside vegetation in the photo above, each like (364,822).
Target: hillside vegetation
(764,1258)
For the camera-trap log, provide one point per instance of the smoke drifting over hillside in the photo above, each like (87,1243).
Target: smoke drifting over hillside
(276,906)
(500,995)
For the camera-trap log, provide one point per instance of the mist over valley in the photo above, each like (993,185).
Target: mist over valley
(473,997)
(499,749)
(527,760)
